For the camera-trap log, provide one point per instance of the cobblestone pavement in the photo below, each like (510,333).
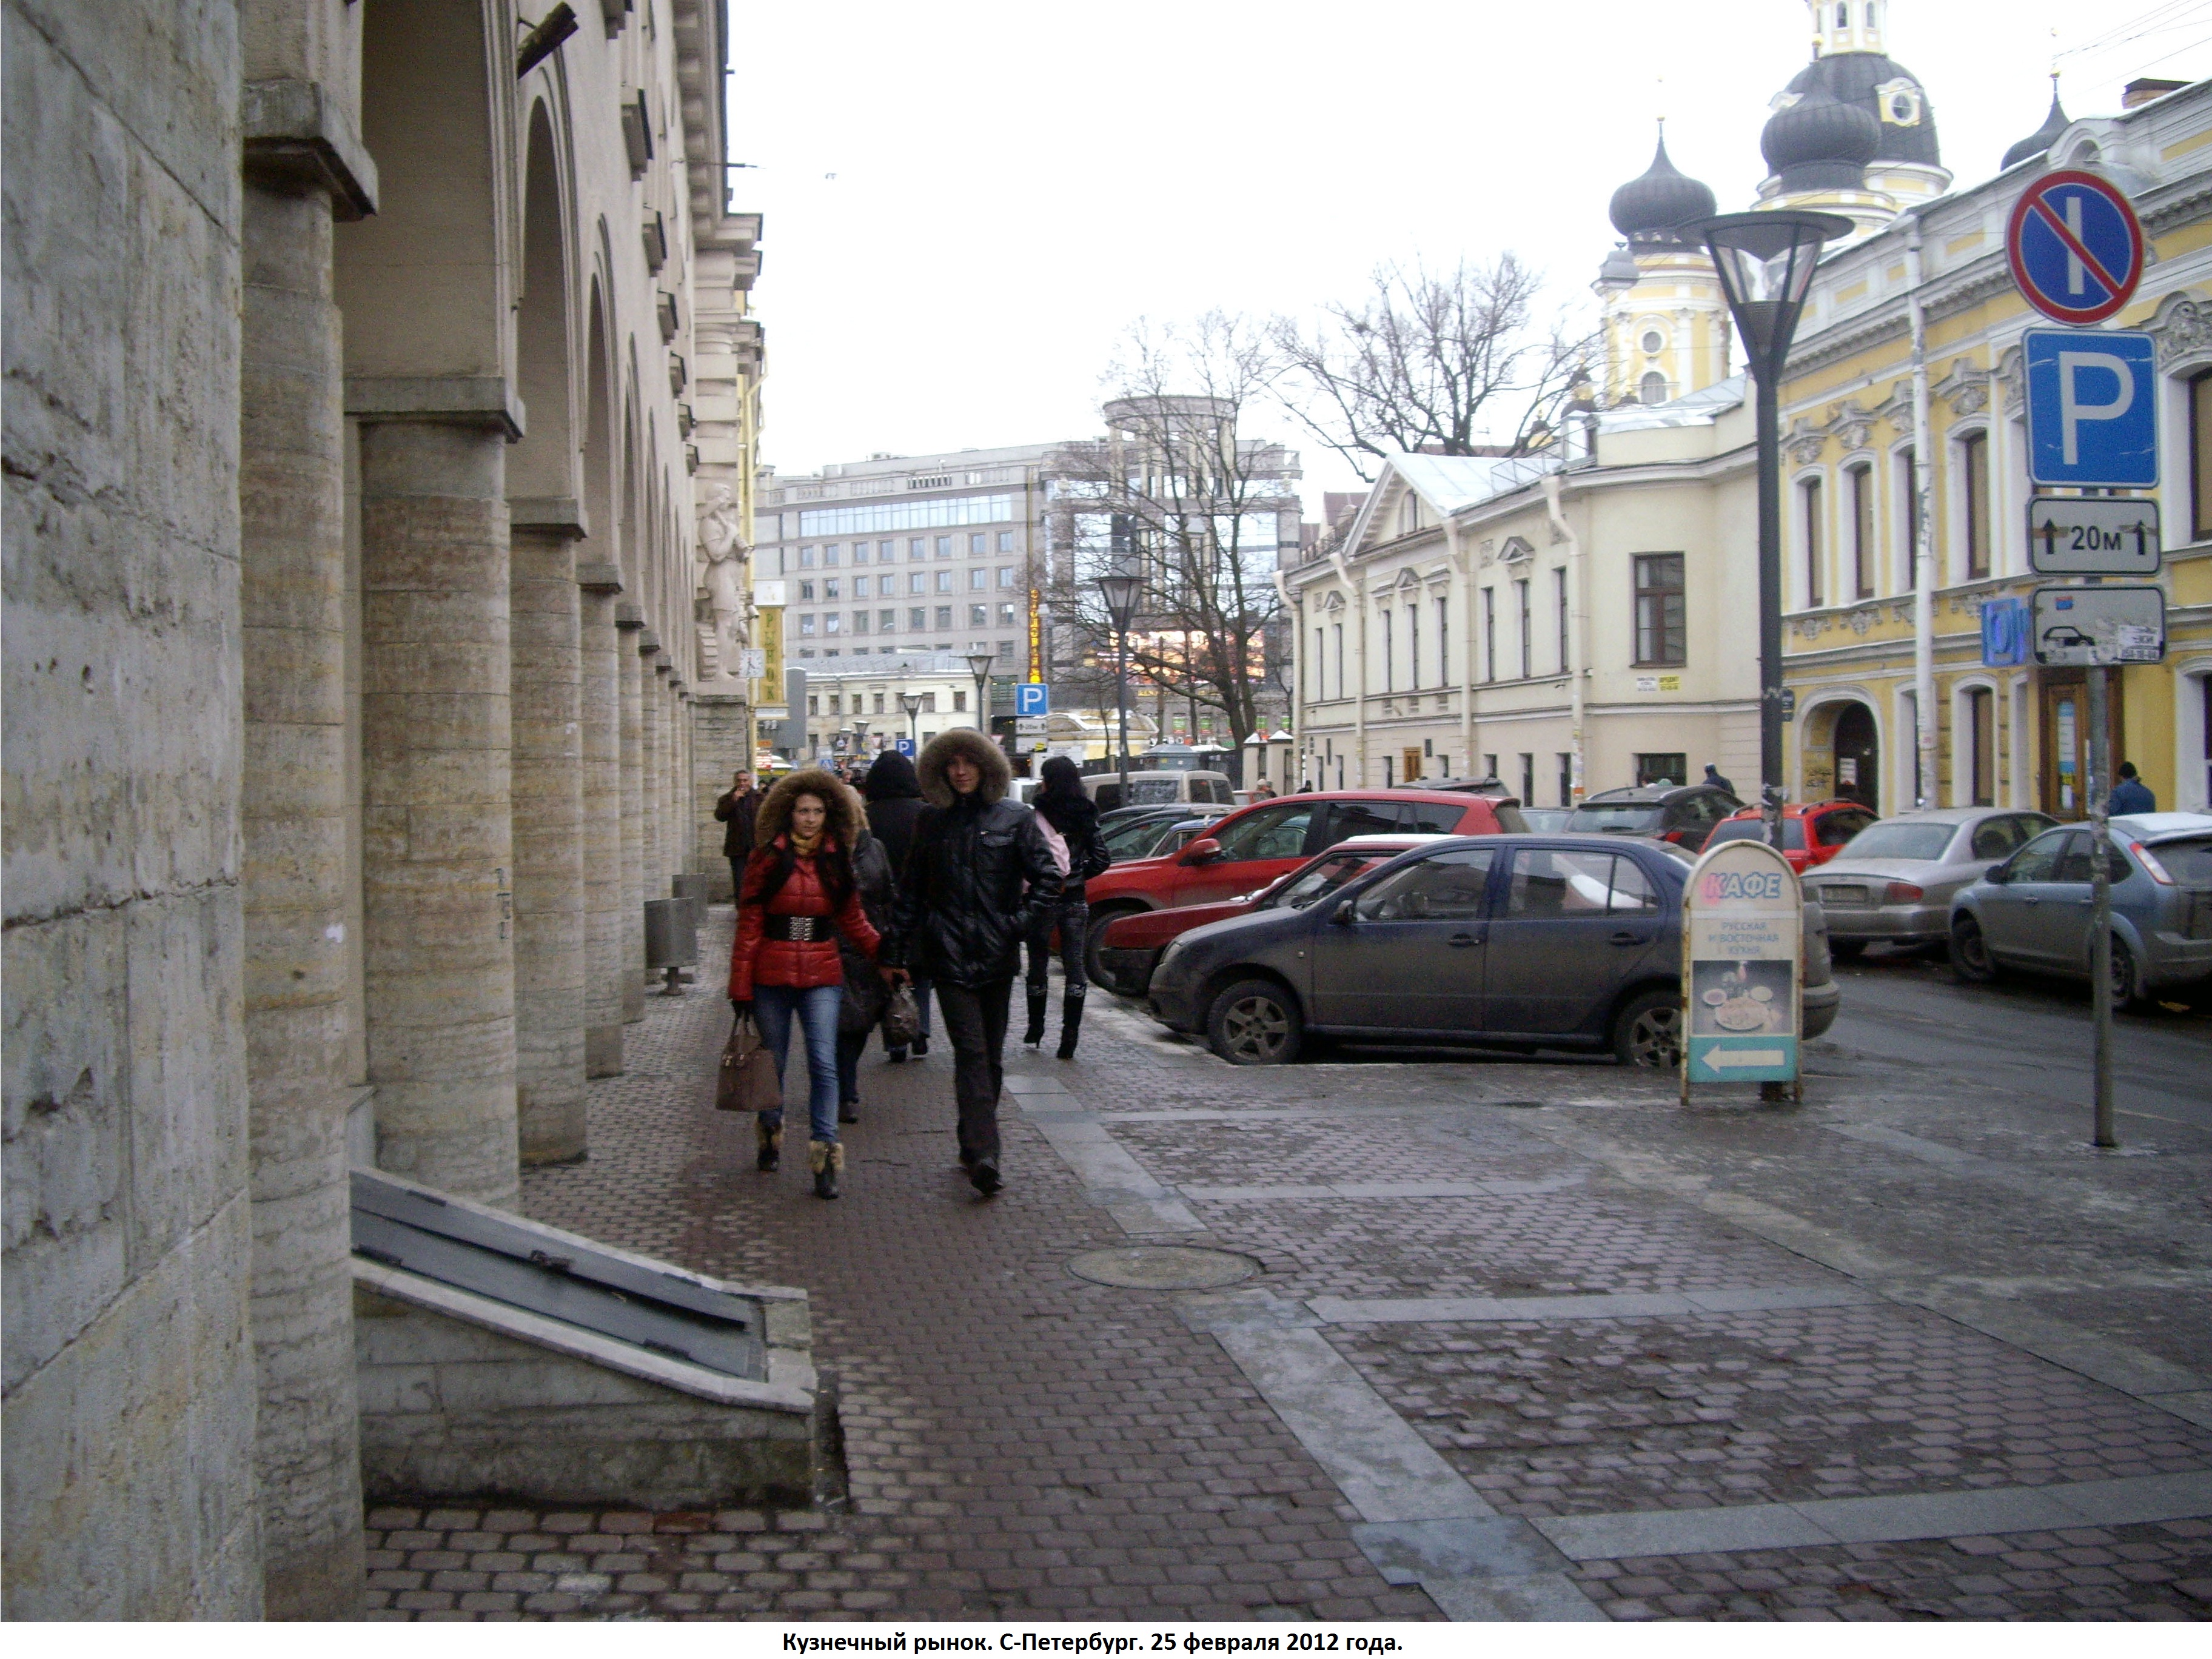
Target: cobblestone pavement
(1575,1305)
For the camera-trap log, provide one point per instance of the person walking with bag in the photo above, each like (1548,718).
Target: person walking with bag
(1070,824)
(865,994)
(976,876)
(894,805)
(798,896)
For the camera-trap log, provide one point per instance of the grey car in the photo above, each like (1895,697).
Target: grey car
(1514,941)
(2033,910)
(1896,879)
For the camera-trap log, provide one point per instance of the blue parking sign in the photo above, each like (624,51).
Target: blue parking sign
(1032,700)
(2092,408)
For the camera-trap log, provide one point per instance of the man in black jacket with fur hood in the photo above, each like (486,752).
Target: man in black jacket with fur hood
(977,875)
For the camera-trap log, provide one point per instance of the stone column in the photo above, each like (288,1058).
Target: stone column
(719,730)
(630,925)
(435,742)
(548,833)
(653,723)
(600,716)
(291,492)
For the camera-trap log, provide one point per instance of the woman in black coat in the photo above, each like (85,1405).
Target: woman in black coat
(894,798)
(1063,803)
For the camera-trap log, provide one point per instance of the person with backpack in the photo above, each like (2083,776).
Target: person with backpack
(893,806)
(1069,823)
(977,873)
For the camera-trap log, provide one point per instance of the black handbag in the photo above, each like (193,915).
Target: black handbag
(902,1019)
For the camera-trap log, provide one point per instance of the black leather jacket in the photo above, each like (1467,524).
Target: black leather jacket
(960,913)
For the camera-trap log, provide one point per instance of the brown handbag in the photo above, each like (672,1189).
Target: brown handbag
(747,1082)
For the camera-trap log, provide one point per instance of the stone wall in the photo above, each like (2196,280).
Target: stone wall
(130,1371)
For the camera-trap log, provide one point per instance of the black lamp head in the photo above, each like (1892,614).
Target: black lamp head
(1765,262)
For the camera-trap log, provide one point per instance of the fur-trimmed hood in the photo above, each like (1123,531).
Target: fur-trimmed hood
(929,770)
(846,822)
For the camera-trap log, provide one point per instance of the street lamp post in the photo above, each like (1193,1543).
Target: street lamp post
(979,665)
(910,703)
(1765,262)
(1119,593)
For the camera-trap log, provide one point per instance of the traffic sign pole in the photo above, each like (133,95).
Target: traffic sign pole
(2100,907)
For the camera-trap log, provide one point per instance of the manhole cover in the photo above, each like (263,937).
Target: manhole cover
(1163,1267)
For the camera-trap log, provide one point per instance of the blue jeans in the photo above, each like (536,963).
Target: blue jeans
(817,1008)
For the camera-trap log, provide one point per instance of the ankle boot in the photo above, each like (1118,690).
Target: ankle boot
(769,1136)
(1034,1035)
(1071,1023)
(829,1159)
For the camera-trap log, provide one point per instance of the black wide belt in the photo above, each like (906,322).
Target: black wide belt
(798,930)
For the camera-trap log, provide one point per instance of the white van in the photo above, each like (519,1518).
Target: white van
(1161,789)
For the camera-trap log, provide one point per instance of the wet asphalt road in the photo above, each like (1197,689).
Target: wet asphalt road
(2033,1035)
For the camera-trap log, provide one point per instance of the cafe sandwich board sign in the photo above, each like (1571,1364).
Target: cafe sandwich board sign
(1743,923)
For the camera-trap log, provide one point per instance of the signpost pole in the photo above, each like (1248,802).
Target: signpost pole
(2100,903)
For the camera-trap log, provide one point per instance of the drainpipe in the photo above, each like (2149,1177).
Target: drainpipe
(1463,562)
(1359,697)
(1577,627)
(1295,609)
(1924,553)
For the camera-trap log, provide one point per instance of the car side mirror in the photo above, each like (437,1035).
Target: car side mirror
(1341,916)
(2000,874)
(1204,850)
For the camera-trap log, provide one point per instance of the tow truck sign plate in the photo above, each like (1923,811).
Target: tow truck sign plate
(2099,627)
(2093,536)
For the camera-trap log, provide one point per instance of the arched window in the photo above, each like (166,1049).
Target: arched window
(1843,17)
(1652,389)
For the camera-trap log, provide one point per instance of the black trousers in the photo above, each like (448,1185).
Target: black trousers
(737,877)
(1073,918)
(975,1020)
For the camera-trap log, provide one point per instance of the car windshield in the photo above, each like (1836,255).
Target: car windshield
(1131,834)
(1626,818)
(1793,833)
(2189,862)
(1323,878)
(1925,842)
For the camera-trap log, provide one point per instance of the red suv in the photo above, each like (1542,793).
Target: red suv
(1252,848)
(1812,833)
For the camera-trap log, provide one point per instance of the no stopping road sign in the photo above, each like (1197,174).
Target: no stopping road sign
(2075,247)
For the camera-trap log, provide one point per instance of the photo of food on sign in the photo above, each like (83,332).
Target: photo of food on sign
(1740,999)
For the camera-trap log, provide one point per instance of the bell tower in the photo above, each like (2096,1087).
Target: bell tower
(1666,318)
(1846,26)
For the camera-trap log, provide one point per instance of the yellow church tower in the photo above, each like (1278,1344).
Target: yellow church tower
(1666,319)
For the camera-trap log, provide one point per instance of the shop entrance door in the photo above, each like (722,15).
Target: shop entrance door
(2064,761)
(1858,756)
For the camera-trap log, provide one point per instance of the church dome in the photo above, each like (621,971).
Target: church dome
(1648,210)
(1818,142)
(2040,142)
(1904,120)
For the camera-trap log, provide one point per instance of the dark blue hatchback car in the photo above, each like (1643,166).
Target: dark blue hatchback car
(1519,942)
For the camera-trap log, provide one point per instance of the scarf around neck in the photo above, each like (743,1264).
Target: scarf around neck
(807,846)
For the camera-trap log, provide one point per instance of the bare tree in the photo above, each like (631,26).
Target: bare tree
(1176,495)
(1456,362)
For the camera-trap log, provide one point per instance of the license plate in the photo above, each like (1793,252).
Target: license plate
(1840,895)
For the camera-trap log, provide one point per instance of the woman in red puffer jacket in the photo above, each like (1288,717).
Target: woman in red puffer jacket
(799,895)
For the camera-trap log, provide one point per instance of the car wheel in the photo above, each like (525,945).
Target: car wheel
(1647,1033)
(1255,1022)
(2127,983)
(1845,950)
(1094,943)
(1970,952)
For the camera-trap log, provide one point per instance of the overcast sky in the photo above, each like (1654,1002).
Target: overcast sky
(967,203)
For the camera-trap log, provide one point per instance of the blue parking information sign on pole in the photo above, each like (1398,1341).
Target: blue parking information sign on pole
(2075,247)
(2092,408)
(1032,700)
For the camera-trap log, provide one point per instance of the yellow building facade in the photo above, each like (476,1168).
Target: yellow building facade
(1853,449)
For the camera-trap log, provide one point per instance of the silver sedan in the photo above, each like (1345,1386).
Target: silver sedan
(1896,879)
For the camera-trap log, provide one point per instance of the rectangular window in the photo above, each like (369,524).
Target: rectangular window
(945,616)
(1816,592)
(807,558)
(929,702)
(1005,575)
(1527,623)
(1566,779)
(1005,650)
(1006,541)
(1316,687)
(1982,736)
(1490,766)
(1974,462)
(917,618)
(1660,769)
(830,555)
(977,546)
(859,621)
(2200,459)
(830,622)
(805,593)
(979,616)
(1908,469)
(978,580)
(860,587)
(1528,778)
(1490,635)
(1661,628)
(830,588)
(945,582)
(917,581)
(806,625)
(1559,605)
(944,547)
(859,552)
(1339,659)
(1389,682)
(814,705)
(886,551)
(1414,643)
(1861,479)
(948,512)
(1005,616)
(918,548)
(1444,642)
(887,621)
(959,702)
